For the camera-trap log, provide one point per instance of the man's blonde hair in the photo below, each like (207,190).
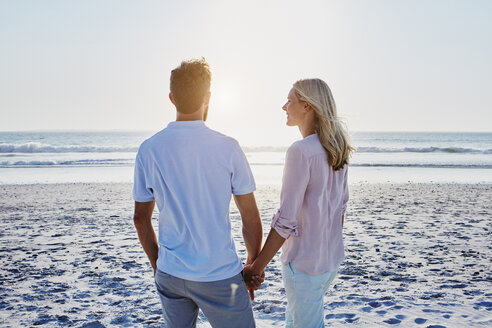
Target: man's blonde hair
(190,82)
(330,129)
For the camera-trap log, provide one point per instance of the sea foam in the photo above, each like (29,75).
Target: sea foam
(423,150)
(37,147)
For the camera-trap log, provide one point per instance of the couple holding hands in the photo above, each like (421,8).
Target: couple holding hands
(191,171)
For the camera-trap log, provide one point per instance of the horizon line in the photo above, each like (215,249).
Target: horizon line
(155,130)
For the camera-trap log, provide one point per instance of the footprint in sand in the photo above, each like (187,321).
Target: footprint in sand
(374,304)
(420,321)
(93,324)
(349,317)
(392,321)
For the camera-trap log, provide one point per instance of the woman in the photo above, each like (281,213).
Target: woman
(312,205)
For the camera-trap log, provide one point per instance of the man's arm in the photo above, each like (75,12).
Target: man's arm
(252,229)
(146,234)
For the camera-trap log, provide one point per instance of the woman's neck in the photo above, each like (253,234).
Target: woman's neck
(307,127)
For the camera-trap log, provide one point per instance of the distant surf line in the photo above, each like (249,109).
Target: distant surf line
(126,163)
(36,147)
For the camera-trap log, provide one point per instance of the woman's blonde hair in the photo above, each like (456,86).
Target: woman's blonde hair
(330,129)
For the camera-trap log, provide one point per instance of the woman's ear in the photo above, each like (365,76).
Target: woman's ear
(307,107)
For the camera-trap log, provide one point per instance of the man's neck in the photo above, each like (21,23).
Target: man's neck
(196,116)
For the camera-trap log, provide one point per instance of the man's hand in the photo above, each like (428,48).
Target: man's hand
(252,280)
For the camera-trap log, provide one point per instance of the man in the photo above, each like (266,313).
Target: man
(190,171)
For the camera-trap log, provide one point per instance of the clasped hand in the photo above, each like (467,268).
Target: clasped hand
(252,279)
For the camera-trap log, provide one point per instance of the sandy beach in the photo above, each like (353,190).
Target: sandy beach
(417,255)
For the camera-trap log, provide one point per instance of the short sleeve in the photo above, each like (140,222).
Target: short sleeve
(141,193)
(242,180)
(294,184)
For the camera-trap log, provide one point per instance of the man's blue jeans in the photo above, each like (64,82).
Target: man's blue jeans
(225,303)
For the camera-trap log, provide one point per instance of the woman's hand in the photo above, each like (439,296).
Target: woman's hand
(252,279)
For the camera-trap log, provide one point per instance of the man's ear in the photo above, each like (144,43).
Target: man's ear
(171,97)
(206,100)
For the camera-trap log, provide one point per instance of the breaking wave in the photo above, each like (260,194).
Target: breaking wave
(452,150)
(36,147)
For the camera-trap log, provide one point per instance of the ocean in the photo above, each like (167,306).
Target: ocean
(394,157)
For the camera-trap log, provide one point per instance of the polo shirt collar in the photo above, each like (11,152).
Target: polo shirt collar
(186,124)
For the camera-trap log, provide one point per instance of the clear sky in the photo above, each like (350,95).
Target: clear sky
(102,65)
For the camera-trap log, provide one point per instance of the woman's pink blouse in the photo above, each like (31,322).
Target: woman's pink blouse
(312,202)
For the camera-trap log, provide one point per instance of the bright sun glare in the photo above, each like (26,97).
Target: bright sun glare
(223,96)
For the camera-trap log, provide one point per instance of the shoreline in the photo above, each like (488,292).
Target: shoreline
(264,175)
(259,185)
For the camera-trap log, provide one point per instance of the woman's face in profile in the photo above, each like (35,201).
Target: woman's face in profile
(294,109)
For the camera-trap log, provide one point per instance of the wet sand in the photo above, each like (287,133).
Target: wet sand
(416,255)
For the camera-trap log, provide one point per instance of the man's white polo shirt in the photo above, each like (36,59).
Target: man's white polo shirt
(191,172)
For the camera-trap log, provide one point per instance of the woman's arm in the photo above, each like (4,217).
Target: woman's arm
(272,245)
